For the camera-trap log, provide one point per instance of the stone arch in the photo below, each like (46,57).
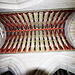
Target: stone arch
(59,62)
(12,64)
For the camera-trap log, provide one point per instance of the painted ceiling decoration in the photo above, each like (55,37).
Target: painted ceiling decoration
(35,31)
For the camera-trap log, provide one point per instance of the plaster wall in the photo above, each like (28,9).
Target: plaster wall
(49,61)
(23,5)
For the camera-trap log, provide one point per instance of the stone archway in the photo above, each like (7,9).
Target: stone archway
(13,65)
(59,62)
